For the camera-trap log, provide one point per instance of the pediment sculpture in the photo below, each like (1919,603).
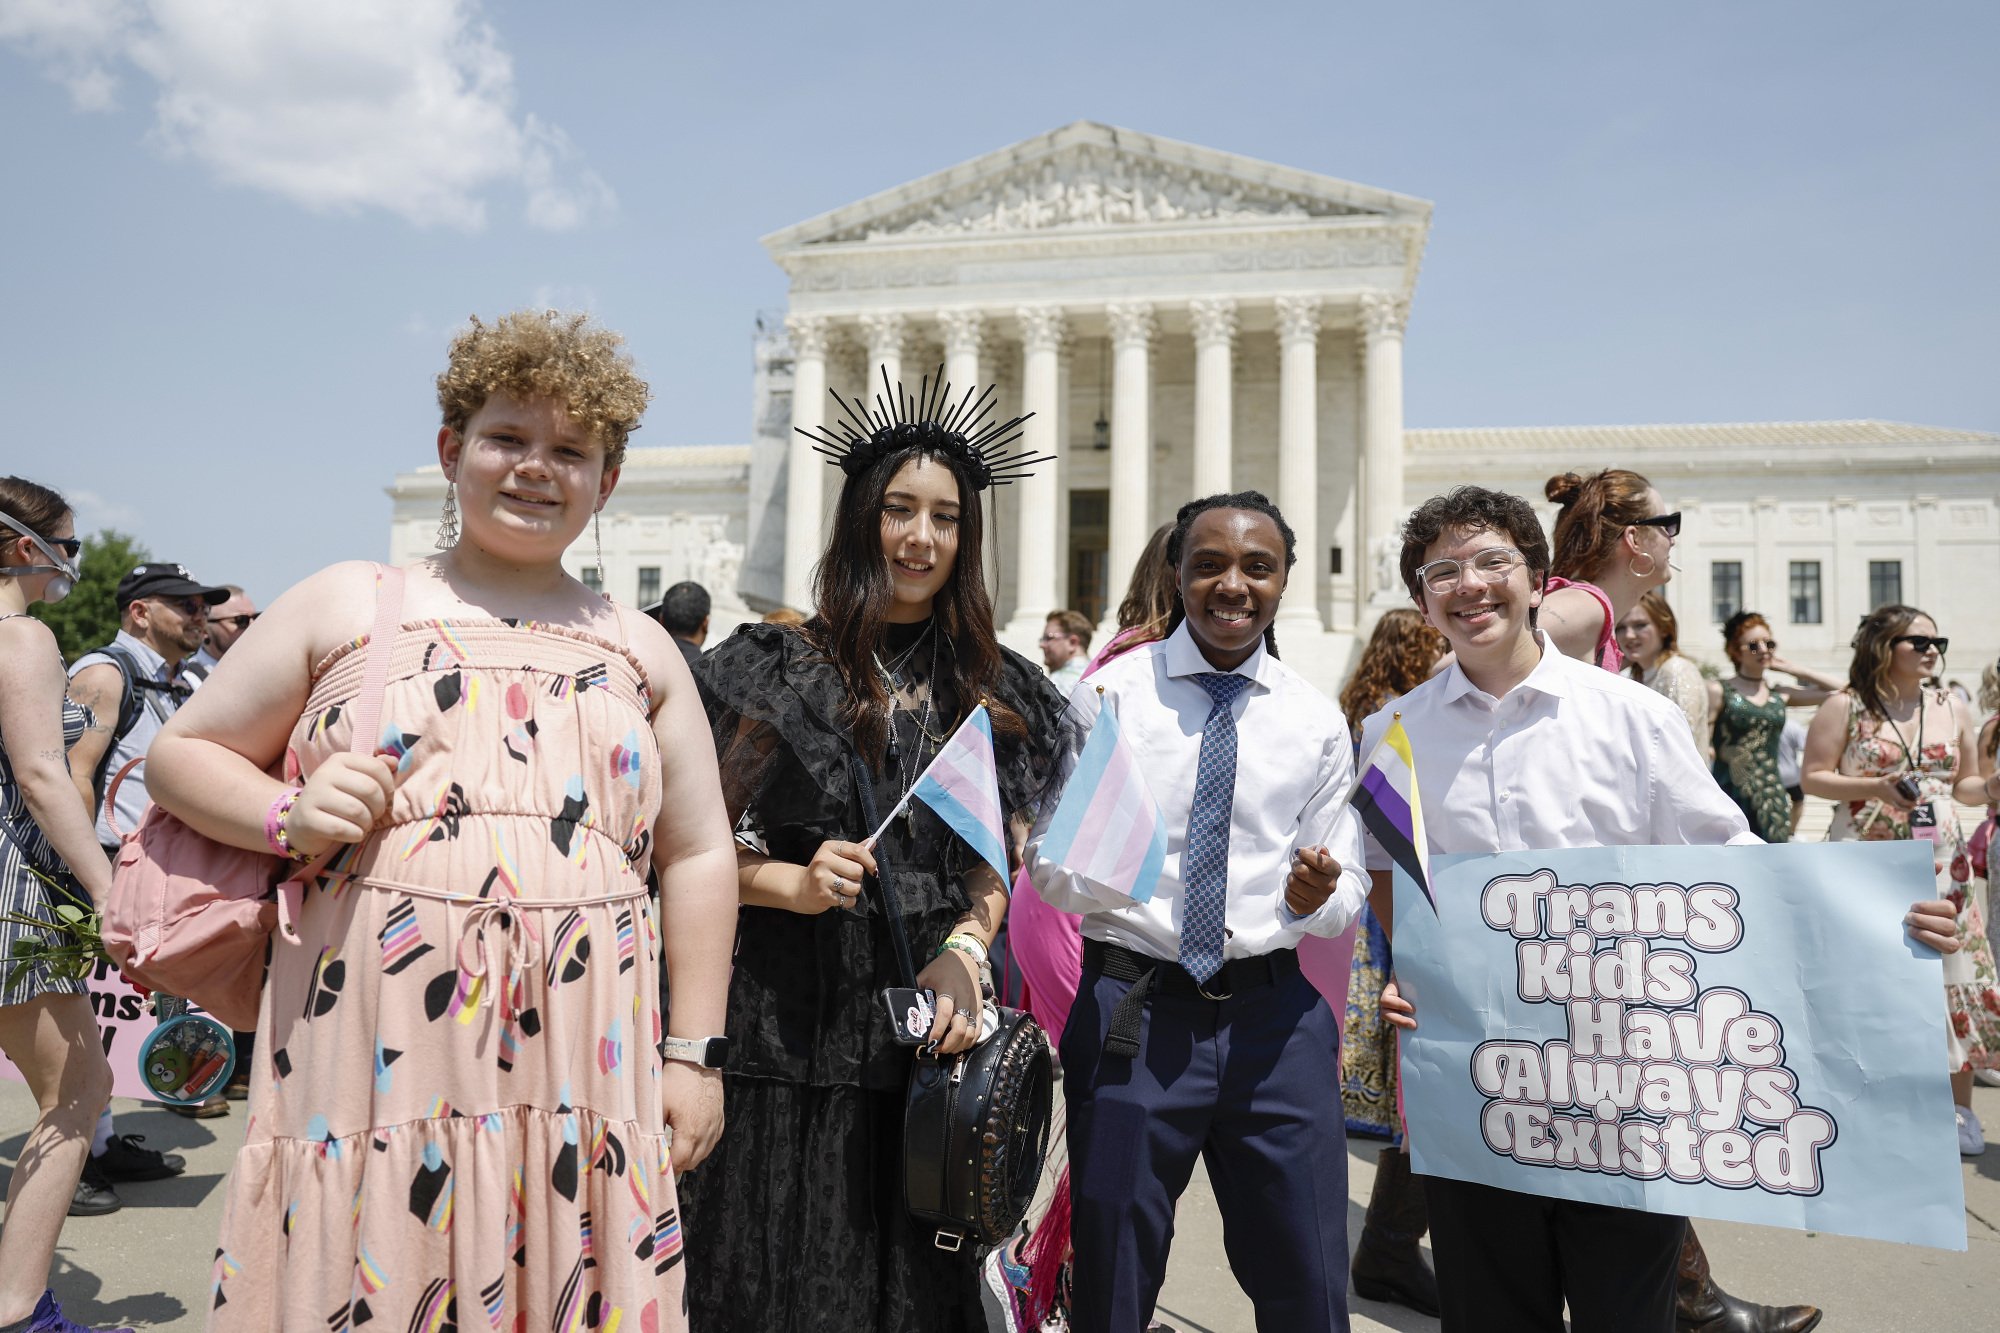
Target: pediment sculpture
(1093,187)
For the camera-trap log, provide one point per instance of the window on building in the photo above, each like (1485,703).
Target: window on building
(1725,588)
(593,578)
(649,584)
(1885,582)
(1805,592)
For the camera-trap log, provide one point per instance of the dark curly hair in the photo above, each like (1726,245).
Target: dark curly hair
(1398,658)
(1467,509)
(1255,502)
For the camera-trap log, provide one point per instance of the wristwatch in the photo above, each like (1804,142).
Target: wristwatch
(708,1052)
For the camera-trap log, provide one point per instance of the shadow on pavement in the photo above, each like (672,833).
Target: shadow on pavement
(78,1291)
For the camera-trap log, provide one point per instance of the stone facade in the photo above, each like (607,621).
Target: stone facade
(1182,321)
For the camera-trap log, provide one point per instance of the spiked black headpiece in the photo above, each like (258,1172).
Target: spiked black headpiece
(928,420)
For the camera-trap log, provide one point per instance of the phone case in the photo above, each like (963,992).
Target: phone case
(911,1013)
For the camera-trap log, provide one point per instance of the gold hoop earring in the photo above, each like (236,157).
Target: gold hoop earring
(1652,566)
(448,525)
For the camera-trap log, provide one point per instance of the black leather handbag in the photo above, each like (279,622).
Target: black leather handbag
(975,1125)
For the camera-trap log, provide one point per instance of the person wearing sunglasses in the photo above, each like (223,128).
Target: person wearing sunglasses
(1612,543)
(1895,752)
(1749,712)
(226,624)
(48,857)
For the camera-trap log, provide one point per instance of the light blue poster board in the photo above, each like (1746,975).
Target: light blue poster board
(1742,1033)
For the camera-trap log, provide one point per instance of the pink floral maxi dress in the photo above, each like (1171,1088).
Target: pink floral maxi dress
(1971,983)
(455,1117)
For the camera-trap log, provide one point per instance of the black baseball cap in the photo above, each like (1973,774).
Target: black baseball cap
(163,580)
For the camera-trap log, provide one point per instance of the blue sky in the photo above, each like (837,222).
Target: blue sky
(233,254)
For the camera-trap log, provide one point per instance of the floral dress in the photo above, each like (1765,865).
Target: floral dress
(455,1116)
(1972,985)
(1746,762)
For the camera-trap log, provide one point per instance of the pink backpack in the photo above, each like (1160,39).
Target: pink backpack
(190,916)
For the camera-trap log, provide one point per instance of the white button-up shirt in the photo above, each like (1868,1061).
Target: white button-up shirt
(1294,769)
(1573,756)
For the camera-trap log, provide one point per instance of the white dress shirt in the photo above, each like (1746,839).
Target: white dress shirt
(1573,756)
(1294,769)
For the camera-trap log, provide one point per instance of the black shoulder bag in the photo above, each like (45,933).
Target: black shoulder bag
(975,1126)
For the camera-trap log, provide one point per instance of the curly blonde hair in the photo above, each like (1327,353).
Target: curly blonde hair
(1398,658)
(547,354)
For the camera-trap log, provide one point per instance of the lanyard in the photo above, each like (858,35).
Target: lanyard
(1911,758)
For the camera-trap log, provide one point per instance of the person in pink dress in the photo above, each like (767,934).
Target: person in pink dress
(1613,542)
(465,1106)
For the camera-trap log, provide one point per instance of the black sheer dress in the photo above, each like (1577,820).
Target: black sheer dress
(796,1222)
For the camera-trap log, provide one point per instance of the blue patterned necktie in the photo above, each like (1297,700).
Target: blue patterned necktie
(1205,863)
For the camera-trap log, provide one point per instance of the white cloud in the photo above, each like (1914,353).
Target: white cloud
(401,105)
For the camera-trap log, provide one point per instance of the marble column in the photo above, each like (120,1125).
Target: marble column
(883,334)
(1382,320)
(963,328)
(1214,341)
(1132,327)
(1035,497)
(1298,451)
(803,467)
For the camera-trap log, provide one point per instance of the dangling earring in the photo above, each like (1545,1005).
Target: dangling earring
(597,539)
(1651,565)
(448,525)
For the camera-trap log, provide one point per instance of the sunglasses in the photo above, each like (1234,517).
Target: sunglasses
(1667,523)
(241,622)
(1923,643)
(187,606)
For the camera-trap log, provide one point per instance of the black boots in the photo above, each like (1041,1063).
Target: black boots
(1702,1307)
(1388,1263)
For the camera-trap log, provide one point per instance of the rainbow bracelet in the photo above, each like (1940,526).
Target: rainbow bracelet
(274,823)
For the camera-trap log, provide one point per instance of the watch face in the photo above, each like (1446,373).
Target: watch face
(715,1051)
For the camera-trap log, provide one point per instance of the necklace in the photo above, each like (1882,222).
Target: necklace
(908,766)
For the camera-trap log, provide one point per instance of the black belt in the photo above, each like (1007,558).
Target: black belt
(1150,974)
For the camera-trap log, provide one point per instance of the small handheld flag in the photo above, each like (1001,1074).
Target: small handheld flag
(1107,829)
(963,786)
(1385,796)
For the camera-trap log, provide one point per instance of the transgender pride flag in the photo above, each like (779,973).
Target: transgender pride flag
(963,786)
(1386,799)
(1106,829)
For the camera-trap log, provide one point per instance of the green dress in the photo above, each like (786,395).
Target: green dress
(1746,762)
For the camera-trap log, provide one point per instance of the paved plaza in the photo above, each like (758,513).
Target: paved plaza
(147,1265)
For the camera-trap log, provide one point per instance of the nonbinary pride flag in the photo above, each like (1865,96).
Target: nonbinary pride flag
(1385,796)
(1106,829)
(963,786)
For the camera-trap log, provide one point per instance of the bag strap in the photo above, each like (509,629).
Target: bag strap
(362,737)
(866,787)
(375,675)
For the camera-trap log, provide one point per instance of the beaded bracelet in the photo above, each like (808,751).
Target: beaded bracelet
(274,823)
(969,945)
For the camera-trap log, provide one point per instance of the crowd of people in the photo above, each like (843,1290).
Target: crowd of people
(580,1018)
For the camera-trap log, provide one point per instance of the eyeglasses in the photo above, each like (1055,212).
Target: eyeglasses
(1923,643)
(1052,638)
(241,622)
(1492,565)
(1667,523)
(1760,646)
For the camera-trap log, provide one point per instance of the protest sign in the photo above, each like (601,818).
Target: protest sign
(123,1022)
(1742,1033)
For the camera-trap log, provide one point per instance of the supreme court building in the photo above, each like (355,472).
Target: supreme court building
(1183,321)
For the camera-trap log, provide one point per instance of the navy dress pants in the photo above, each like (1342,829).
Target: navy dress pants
(1251,1085)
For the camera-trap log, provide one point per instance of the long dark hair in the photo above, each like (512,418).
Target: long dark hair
(852,594)
(1874,645)
(1255,502)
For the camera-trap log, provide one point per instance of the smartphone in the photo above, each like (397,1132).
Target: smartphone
(1906,787)
(911,1014)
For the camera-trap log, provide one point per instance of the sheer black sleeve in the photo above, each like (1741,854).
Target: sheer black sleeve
(774,706)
